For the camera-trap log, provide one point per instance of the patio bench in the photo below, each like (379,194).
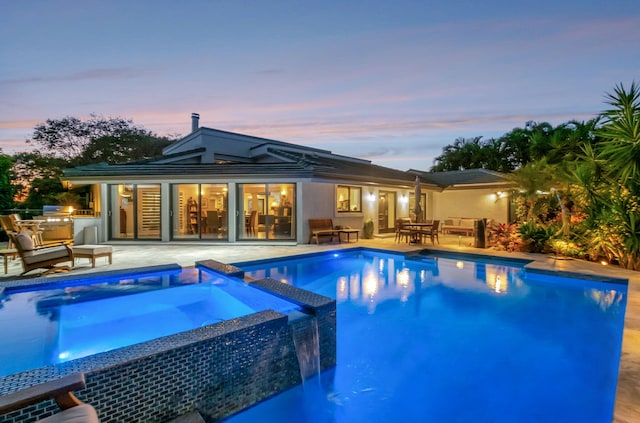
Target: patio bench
(322,228)
(459,225)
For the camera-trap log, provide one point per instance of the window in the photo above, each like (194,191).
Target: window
(348,199)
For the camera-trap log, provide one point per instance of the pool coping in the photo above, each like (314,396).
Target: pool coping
(44,281)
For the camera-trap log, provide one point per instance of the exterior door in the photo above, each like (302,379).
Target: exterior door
(266,211)
(199,211)
(386,211)
(134,211)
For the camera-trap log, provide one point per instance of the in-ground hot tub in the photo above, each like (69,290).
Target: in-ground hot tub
(215,355)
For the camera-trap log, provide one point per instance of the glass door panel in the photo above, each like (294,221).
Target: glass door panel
(199,211)
(213,209)
(134,211)
(283,211)
(184,211)
(251,209)
(148,211)
(266,211)
(121,209)
(386,211)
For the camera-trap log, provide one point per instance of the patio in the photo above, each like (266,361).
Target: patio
(126,255)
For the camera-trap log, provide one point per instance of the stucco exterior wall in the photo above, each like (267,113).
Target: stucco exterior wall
(478,203)
(318,202)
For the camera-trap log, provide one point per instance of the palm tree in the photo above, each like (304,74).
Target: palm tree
(620,150)
(534,179)
(621,134)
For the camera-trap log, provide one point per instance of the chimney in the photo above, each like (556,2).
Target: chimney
(195,118)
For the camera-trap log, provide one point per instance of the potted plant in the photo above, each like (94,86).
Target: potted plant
(367,230)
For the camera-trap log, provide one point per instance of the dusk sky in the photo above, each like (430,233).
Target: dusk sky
(389,81)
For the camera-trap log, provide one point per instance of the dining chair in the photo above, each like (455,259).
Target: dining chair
(402,231)
(431,232)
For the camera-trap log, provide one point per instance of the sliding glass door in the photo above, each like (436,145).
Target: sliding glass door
(199,211)
(134,211)
(266,211)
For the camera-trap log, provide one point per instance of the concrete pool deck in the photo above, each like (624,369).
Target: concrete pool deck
(130,255)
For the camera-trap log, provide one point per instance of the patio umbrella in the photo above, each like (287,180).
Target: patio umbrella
(418,193)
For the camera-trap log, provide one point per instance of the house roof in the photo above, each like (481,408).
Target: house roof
(289,164)
(464,178)
(211,152)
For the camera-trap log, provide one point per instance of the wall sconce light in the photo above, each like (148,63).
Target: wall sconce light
(404,198)
(500,194)
(372,197)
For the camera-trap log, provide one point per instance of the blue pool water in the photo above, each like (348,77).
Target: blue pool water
(53,324)
(450,340)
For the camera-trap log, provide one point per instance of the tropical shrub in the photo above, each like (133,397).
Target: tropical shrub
(536,238)
(620,153)
(567,248)
(504,237)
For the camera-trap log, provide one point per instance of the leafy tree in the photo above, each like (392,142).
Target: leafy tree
(122,148)
(518,147)
(64,138)
(77,141)
(7,188)
(533,179)
(43,191)
(29,166)
(465,153)
(69,142)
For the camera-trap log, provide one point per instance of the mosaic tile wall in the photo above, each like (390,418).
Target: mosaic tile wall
(321,307)
(217,370)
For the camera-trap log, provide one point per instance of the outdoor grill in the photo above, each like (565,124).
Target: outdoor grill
(57,223)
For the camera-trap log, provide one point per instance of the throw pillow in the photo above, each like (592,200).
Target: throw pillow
(25,241)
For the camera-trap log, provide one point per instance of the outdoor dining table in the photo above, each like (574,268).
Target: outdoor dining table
(415,228)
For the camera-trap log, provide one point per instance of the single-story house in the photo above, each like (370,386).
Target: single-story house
(219,186)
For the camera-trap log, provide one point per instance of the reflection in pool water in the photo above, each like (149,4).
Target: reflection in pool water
(450,339)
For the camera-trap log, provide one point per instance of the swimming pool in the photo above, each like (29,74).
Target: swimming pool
(51,324)
(451,339)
